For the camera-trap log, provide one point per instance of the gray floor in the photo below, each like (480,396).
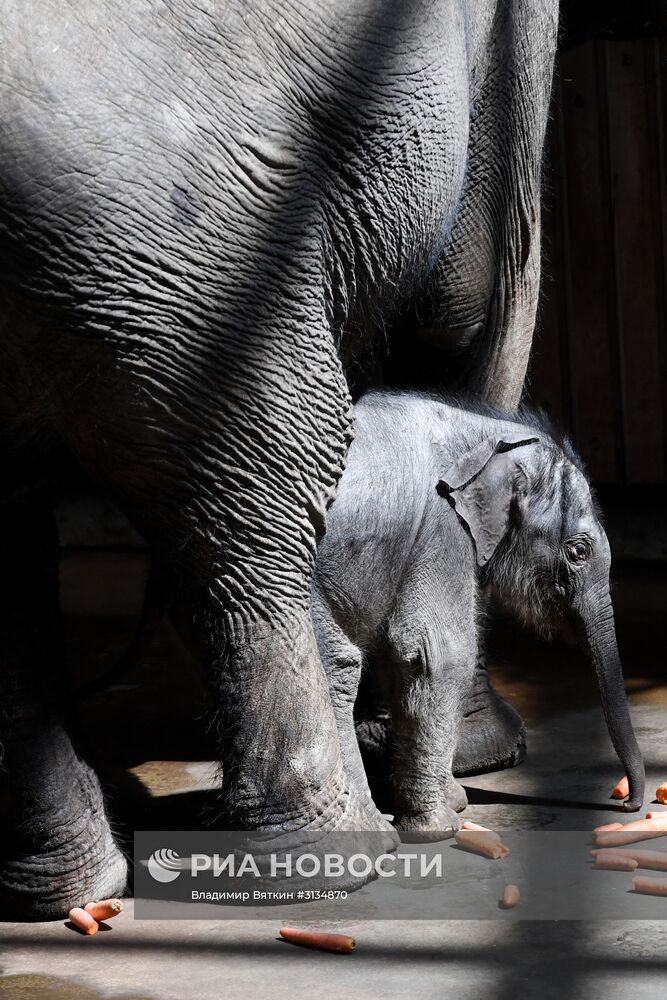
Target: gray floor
(160,772)
(608,960)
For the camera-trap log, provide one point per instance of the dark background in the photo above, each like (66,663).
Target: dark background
(599,362)
(600,359)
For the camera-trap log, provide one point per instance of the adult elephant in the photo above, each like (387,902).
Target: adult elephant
(208,209)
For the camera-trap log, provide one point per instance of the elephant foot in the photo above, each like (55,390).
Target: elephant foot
(355,836)
(436,821)
(439,823)
(61,857)
(492,735)
(361,815)
(363,821)
(367,812)
(43,886)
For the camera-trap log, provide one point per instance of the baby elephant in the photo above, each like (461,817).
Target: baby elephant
(437,503)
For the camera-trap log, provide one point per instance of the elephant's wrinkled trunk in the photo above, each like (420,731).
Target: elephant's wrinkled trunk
(599,638)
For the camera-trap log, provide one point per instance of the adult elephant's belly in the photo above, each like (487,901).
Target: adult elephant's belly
(221,172)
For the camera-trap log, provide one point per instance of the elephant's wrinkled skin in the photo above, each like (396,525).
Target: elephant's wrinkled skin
(207,210)
(437,503)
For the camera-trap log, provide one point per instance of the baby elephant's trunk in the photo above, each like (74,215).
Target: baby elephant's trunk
(599,636)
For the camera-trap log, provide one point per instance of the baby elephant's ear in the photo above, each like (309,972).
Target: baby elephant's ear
(480,486)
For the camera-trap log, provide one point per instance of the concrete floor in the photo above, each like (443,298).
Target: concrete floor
(160,776)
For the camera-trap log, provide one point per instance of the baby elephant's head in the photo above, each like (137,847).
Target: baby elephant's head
(538,539)
(539,543)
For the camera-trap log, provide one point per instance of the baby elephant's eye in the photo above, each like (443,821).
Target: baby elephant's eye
(578,552)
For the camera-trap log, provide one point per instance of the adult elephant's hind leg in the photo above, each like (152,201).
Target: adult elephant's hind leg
(492,734)
(56,848)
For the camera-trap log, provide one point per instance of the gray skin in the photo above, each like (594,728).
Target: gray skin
(209,211)
(436,505)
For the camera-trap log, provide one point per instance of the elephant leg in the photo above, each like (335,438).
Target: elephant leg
(281,758)
(56,847)
(225,459)
(492,735)
(425,706)
(426,679)
(476,324)
(343,664)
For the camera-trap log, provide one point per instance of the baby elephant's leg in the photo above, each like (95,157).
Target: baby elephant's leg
(343,662)
(427,688)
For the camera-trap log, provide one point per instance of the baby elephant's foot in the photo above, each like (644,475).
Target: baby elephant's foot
(434,824)
(492,735)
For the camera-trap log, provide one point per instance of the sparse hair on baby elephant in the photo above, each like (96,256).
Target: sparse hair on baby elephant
(437,506)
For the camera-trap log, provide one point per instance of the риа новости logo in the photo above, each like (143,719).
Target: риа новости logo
(164,865)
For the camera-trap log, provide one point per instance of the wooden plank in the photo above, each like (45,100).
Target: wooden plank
(589,264)
(633,153)
(660,109)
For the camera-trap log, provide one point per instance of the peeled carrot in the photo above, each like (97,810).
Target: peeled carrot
(465,836)
(617,838)
(621,790)
(468,825)
(630,833)
(104,909)
(641,825)
(651,886)
(340,943)
(657,860)
(510,896)
(612,861)
(84,921)
(608,826)
(482,842)
(661,794)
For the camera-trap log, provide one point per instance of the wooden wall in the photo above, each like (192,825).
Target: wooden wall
(600,360)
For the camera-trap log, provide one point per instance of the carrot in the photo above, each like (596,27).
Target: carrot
(482,842)
(630,833)
(612,861)
(645,859)
(617,838)
(621,790)
(661,794)
(651,886)
(608,826)
(467,825)
(104,909)
(83,921)
(474,836)
(316,939)
(510,897)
